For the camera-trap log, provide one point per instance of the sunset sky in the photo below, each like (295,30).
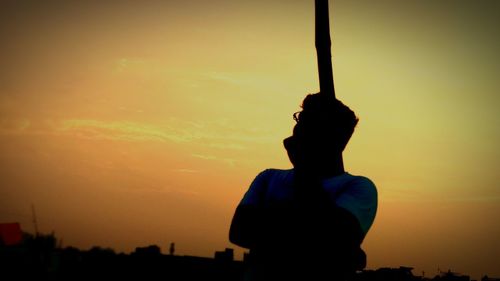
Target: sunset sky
(130,123)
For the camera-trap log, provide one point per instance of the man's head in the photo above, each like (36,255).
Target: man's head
(323,129)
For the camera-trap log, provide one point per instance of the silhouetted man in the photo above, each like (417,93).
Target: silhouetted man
(308,223)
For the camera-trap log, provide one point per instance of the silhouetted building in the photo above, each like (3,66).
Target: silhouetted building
(451,276)
(403,273)
(246,257)
(10,234)
(38,258)
(151,250)
(226,255)
(486,278)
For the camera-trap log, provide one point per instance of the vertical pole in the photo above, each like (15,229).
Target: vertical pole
(34,219)
(323,48)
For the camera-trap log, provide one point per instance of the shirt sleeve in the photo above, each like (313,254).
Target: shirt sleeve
(257,190)
(360,198)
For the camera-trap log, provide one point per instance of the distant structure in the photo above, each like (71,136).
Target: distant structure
(10,234)
(35,223)
(38,258)
(226,255)
(151,250)
(486,278)
(172,249)
(403,273)
(451,276)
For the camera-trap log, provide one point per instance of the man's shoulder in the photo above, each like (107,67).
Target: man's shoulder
(362,184)
(278,171)
(362,180)
(273,172)
(361,199)
(272,175)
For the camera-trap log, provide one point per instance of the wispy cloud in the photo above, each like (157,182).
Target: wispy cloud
(397,196)
(244,79)
(228,161)
(128,63)
(224,77)
(119,130)
(214,138)
(475,199)
(14,126)
(204,157)
(186,171)
(217,134)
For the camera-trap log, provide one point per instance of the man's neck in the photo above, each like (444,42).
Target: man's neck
(333,167)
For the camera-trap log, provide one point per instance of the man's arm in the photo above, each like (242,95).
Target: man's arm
(248,217)
(258,226)
(245,226)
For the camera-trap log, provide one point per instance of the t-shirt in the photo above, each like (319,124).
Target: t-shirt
(357,194)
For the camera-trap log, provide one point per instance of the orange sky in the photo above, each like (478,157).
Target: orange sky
(142,122)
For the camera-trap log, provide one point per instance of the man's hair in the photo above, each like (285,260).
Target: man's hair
(325,119)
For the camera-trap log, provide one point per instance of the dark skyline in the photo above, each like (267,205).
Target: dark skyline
(41,257)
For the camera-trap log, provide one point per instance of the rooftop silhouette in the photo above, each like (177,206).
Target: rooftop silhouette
(38,257)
